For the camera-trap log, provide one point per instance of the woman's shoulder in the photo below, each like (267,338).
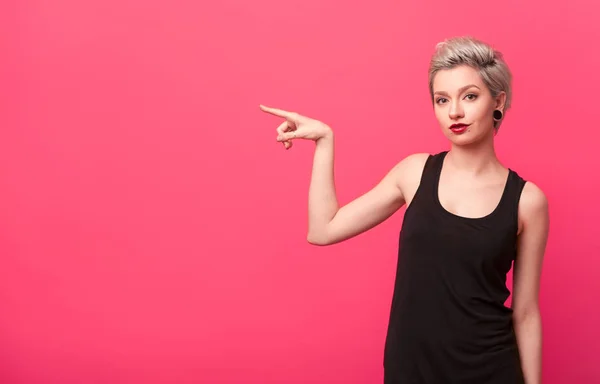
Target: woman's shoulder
(533,199)
(533,206)
(413,163)
(410,169)
(532,195)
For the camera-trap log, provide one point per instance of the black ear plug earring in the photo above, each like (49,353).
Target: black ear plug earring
(498,115)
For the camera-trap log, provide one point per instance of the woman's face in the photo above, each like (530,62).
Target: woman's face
(464,105)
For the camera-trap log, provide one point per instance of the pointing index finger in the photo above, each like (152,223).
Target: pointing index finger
(276,112)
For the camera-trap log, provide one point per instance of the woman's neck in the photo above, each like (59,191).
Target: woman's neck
(474,159)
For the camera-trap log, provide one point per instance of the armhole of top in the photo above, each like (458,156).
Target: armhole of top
(422,179)
(518,194)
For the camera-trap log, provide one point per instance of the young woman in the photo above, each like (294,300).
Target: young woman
(468,219)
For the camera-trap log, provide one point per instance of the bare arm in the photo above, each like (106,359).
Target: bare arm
(328,222)
(533,210)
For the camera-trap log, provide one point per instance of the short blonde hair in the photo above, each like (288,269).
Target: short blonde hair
(481,56)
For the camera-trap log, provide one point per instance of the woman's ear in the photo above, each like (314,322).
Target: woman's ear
(500,101)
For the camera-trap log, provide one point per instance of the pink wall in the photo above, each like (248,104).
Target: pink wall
(153,231)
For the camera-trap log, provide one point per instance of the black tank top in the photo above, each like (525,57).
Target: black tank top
(448,322)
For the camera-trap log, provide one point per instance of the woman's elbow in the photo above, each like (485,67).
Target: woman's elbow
(526,313)
(316,239)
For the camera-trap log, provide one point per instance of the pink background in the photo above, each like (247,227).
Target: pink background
(153,231)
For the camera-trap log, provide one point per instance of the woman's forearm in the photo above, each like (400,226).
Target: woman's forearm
(528,330)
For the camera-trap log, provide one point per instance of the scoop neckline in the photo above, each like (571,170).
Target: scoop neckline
(447,212)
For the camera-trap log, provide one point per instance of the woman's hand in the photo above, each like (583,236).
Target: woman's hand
(297,126)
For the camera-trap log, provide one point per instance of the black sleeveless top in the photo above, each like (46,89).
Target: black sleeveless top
(448,322)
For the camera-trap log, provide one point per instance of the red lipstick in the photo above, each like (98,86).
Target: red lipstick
(459,128)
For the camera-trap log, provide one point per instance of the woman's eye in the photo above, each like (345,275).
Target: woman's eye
(440,100)
(471,96)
